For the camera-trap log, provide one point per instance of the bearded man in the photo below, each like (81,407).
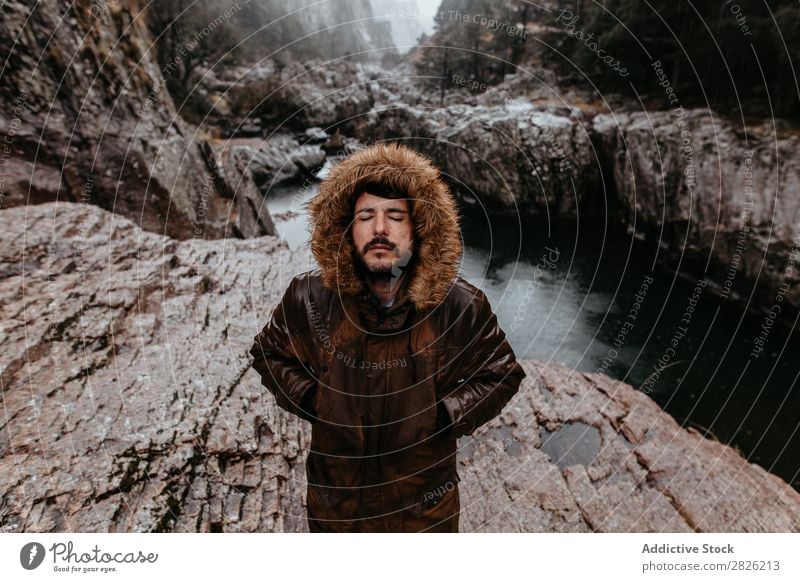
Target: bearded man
(385,349)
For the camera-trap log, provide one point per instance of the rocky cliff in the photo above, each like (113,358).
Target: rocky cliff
(130,405)
(720,200)
(512,157)
(86,117)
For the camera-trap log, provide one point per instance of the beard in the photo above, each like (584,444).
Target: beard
(383,272)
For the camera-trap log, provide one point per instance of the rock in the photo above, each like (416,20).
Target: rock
(234,179)
(718,202)
(634,468)
(274,160)
(313,93)
(250,130)
(130,405)
(155,425)
(552,167)
(721,204)
(514,157)
(315,135)
(88,118)
(335,143)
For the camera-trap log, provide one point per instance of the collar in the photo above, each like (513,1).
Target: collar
(375,317)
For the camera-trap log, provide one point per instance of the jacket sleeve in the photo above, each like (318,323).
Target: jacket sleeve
(279,358)
(489,376)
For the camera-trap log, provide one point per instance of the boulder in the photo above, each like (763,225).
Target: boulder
(513,157)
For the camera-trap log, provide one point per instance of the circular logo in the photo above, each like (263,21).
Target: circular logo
(31,555)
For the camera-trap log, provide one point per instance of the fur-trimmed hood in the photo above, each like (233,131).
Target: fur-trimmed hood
(438,249)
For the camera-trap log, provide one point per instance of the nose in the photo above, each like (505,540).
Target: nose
(381,223)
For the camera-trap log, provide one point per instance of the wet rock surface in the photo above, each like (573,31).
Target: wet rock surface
(274,160)
(718,201)
(513,157)
(130,405)
(290,96)
(87,117)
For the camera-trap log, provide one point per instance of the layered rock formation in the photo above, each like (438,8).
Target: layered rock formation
(290,96)
(720,201)
(130,405)
(509,157)
(86,117)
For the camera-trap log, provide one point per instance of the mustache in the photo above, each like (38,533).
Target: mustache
(379,241)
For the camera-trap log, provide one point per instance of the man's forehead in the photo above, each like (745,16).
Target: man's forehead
(367,201)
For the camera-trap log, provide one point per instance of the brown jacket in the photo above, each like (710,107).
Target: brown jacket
(387,390)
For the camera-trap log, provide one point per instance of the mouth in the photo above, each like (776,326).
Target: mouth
(380,248)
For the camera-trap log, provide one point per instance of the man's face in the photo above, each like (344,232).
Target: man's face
(382,234)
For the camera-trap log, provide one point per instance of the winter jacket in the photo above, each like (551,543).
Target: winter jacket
(387,390)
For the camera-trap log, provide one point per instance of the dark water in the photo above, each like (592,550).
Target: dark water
(575,294)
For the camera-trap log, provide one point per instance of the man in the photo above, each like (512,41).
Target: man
(385,349)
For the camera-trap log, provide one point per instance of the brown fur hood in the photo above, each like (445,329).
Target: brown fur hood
(438,249)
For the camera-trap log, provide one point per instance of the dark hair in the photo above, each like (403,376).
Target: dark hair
(380,189)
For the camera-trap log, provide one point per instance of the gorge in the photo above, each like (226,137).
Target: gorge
(142,199)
